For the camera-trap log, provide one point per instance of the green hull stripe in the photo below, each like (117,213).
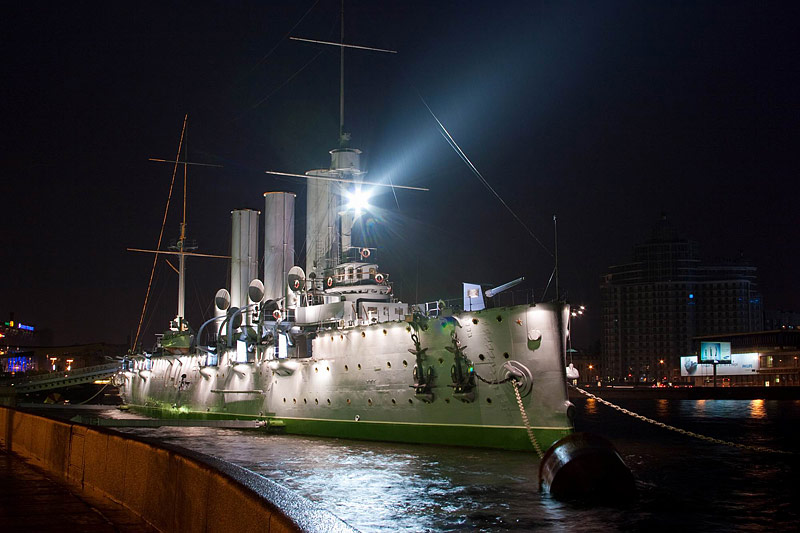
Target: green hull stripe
(421,423)
(506,438)
(500,437)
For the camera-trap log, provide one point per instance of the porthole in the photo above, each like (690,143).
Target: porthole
(385,332)
(405,364)
(294,400)
(499,318)
(359,366)
(369,401)
(388,364)
(363,334)
(505,354)
(316,369)
(348,401)
(481,356)
(284,400)
(447,400)
(329,401)
(305,401)
(316,401)
(474,320)
(394,401)
(346,368)
(328,368)
(410,400)
(331,338)
(341,337)
(408,329)
(488,400)
(441,361)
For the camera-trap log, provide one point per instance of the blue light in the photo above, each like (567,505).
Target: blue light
(691,295)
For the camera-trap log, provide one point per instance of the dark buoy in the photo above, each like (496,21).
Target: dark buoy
(587,467)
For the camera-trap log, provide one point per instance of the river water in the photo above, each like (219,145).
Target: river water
(683,483)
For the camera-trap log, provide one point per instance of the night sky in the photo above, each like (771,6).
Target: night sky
(605,114)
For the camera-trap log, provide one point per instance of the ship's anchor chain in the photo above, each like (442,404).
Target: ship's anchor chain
(422,379)
(679,430)
(510,377)
(525,419)
(462,372)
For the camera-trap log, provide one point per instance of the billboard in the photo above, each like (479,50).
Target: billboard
(741,364)
(719,352)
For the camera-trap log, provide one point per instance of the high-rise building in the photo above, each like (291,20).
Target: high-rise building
(654,305)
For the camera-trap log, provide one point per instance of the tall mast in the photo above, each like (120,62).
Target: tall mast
(325,231)
(342,140)
(181,248)
(555,233)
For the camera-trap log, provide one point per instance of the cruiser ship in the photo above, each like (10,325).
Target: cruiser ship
(328,350)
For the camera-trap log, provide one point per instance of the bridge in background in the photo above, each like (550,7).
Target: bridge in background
(60,380)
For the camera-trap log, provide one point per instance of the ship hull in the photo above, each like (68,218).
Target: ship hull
(358,383)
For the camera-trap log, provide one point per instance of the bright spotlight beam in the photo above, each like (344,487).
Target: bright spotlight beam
(358,201)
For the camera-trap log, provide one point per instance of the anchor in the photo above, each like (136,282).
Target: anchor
(422,379)
(462,372)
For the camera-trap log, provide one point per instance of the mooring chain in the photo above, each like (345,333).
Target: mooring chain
(495,382)
(679,430)
(525,421)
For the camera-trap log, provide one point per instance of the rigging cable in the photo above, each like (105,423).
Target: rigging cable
(161,233)
(288,33)
(279,87)
(453,144)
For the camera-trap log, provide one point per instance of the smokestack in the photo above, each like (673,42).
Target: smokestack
(244,253)
(278,242)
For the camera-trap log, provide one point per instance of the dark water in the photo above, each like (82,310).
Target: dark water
(683,483)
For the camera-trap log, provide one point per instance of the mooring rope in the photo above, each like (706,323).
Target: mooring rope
(95,395)
(676,429)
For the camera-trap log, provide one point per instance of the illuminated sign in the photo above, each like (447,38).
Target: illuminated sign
(26,328)
(741,364)
(715,352)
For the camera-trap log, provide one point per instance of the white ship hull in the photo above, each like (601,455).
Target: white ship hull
(359,382)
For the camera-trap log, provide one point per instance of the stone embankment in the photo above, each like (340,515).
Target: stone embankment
(172,489)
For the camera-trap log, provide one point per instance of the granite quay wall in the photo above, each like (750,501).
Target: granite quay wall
(173,489)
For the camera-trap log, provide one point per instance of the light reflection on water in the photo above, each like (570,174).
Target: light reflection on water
(590,408)
(395,487)
(662,408)
(757,409)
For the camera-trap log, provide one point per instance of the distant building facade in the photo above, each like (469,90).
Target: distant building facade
(656,304)
(779,319)
(762,358)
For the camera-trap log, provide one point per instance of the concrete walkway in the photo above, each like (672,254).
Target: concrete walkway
(32,501)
